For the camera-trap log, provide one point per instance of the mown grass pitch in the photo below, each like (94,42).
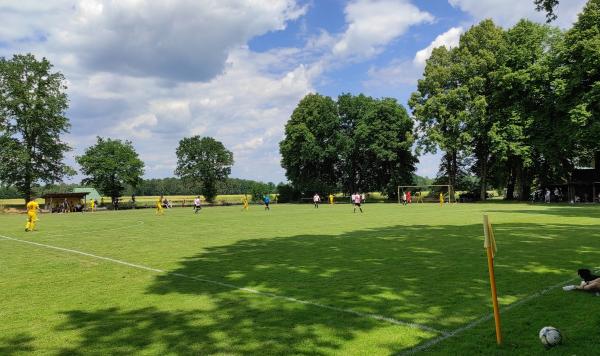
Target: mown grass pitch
(318,281)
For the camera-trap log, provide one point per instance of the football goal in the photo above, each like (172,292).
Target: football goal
(427,193)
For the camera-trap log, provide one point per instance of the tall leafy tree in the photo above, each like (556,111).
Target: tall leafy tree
(381,140)
(385,139)
(482,52)
(309,151)
(356,144)
(579,83)
(110,165)
(203,161)
(441,107)
(520,92)
(352,110)
(32,119)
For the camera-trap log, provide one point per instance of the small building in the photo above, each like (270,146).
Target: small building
(64,202)
(584,185)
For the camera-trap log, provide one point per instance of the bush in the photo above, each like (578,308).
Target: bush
(287,193)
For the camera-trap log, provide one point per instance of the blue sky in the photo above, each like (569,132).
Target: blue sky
(154,72)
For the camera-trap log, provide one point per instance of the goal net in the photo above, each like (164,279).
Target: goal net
(426,193)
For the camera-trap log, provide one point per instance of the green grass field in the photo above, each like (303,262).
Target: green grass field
(297,280)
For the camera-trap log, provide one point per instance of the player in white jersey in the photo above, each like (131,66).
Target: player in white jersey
(357,199)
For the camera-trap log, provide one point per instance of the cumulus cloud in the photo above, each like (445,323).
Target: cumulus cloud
(245,107)
(180,39)
(397,73)
(154,72)
(509,12)
(374,23)
(447,39)
(404,72)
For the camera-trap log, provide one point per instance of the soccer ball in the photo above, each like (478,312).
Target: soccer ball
(550,336)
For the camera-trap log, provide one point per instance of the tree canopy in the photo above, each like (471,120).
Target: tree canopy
(204,162)
(32,119)
(355,144)
(110,165)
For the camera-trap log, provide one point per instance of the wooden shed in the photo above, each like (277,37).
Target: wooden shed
(64,202)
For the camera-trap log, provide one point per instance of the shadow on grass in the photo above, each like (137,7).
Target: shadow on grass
(431,275)
(562,210)
(18,344)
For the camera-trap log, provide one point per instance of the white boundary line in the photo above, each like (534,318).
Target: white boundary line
(244,289)
(485,318)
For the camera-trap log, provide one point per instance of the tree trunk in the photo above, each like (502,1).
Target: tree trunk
(524,178)
(510,184)
(483,177)
(452,171)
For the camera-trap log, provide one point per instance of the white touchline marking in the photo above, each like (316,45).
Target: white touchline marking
(476,322)
(232,286)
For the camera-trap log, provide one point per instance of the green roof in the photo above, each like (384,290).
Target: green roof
(92,193)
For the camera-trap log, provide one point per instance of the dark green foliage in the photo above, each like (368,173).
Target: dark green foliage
(203,161)
(548,7)
(111,165)
(356,144)
(521,103)
(32,119)
(288,194)
(579,81)
(312,142)
(9,192)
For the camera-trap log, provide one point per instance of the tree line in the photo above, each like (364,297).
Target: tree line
(519,108)
(514,109)
(158,186)
(508,108)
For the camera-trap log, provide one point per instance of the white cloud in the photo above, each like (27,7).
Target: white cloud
(429,164)
(154,72)
(448,39)
(372,24)
(182,40)
(404,72)
(245,107)
(509,12)
(137,127)
(394,75)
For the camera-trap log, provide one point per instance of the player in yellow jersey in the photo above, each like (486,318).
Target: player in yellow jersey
(92,205)
(159,208)
(441,199)
(32,209)
(245,202)
(330,199)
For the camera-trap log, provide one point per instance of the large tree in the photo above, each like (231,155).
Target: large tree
(32,119)
(204,162)
(110,165)
(579,81)
(309,151)
(379,137)
(356,144)
(482,52)
(441,107)
(523,102)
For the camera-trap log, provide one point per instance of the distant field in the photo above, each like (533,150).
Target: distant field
(297,280)
(230,199)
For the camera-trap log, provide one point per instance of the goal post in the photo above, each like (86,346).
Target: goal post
(418,190)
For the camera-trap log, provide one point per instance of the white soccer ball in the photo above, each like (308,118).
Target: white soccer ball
(550,336)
